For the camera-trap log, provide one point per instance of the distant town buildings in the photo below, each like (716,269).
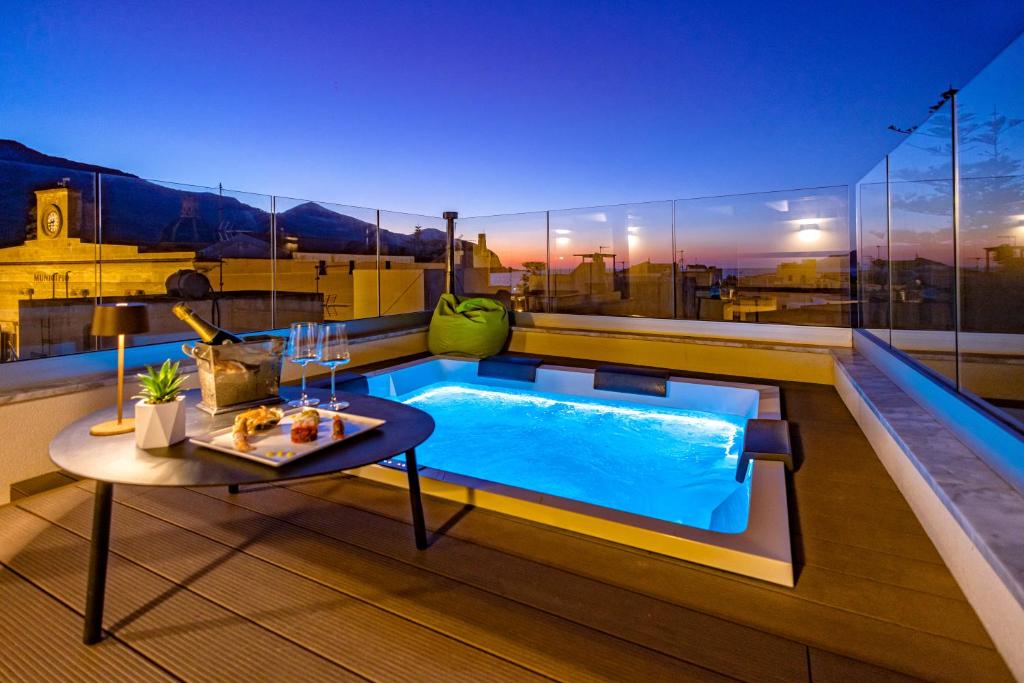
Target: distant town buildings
(49,283)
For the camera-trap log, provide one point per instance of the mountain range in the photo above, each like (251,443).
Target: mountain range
(158,217)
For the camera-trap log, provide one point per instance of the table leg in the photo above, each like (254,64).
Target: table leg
(98,555)
(418,525)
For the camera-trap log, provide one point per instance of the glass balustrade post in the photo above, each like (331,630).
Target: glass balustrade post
(450,217)
(273,262)
(675,266)
(379,293)
(97,268)
(549,307)
(888,242)
(957,275)
(854,279)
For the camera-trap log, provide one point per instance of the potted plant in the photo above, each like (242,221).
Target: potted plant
(160,412)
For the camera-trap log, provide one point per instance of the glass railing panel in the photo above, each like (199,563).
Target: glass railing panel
(504,258)
(330,251)
(921,245)
(413,256)
(990,117)
(612,260)
(211,248)
(873,252)
(47,260)
(775,257)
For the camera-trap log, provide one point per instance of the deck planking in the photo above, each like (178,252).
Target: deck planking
(324,571)
(554,646)
(352,633)
(813,613)
(699,637)
(178,630)
(27,657)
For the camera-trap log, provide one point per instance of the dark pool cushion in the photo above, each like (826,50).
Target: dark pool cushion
(765,440)
(352,382)
(631,380)
(505,366)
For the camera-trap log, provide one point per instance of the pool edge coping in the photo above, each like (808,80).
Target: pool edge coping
(763,550)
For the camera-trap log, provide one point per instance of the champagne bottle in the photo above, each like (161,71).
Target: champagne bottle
(208,332)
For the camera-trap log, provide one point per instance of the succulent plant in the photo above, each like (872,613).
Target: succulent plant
(160,386)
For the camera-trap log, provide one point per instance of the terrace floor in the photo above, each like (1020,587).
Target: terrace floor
(320,580)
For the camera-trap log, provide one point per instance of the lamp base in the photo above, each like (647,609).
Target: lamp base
(112,427)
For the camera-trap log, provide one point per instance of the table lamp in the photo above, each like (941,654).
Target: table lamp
(110,320)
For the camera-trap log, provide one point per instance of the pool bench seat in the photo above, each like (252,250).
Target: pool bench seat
(631,380)
(506,366)
(765,440)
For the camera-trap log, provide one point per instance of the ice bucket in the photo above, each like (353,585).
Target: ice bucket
(235,376)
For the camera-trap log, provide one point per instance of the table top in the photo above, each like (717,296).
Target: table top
(115,459)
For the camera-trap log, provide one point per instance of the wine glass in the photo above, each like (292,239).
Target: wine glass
(302,350)
(332,349)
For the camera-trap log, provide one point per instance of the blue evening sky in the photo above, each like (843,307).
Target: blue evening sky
(486,107)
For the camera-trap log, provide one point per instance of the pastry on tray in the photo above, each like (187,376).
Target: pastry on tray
(305,426)
(252,421)
(337,428)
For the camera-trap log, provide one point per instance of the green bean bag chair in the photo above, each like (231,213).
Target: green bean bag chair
(469,327)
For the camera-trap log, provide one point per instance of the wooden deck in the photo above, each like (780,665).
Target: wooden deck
(319,580)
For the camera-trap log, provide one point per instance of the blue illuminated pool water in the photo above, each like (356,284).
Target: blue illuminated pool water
(671,464)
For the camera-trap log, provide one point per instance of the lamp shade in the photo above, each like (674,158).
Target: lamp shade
(110,320)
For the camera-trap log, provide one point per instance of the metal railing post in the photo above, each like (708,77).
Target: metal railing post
(547,265)
(450,217)
(273,262)
(853,237)
(98,247)
(888,246)
(957,275)
(675,267)
(377,234)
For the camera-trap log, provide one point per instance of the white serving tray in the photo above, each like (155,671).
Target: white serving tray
(274,446)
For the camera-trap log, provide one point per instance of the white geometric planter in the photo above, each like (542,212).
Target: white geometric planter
(158,425)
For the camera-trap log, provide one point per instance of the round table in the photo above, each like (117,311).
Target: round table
(116,460)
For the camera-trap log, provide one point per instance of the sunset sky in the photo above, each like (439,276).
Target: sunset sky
(503,107)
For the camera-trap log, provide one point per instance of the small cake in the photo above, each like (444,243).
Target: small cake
(305,425)
(337,428)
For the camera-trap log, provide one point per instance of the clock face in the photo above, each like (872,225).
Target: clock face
(53,221)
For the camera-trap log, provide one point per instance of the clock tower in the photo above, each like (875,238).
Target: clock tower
(57,212)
